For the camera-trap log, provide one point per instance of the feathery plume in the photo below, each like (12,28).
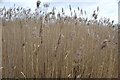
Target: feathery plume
(70,7)
(97,8)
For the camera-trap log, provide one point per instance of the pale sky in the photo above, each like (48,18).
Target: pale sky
(51,0)
(108,8)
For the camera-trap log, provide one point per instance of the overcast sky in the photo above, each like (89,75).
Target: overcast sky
(108,8)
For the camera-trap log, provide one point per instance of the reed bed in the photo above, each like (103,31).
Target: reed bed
(59,49)
(1,48)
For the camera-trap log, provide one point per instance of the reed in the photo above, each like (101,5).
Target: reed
(59,48)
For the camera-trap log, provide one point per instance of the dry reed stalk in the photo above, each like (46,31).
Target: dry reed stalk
(23,74)
(41,30)
(58,43)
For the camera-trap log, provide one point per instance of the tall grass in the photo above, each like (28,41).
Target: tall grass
(1,48)
(73,51)
(63,47)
